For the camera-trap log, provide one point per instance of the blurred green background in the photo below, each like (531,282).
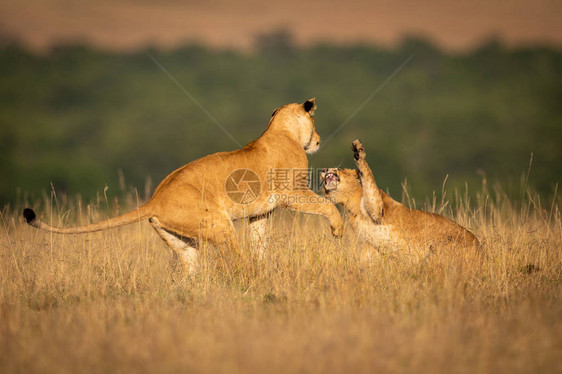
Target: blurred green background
(82,119)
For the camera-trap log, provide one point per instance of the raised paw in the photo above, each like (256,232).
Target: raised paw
(358,150)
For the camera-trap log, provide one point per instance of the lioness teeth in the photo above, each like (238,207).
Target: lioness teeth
(331,177)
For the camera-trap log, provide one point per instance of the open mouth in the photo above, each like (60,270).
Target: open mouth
(330,180)
(331,177)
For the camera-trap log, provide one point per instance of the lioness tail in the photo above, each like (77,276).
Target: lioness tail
(125,219)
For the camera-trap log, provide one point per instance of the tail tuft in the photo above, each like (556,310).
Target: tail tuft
(29,215)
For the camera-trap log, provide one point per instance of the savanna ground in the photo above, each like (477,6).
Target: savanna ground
(115,301)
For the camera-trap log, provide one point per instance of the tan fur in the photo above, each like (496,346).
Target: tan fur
(191,203)
(386,224)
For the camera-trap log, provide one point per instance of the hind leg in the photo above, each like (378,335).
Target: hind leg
(185,248)
(222,235)
(213,227)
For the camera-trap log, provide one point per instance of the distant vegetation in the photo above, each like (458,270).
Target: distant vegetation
(80,118)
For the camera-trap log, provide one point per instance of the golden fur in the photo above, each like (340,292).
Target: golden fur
(191,204)
(384,223)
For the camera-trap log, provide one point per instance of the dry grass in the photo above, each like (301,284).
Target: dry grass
(115,301)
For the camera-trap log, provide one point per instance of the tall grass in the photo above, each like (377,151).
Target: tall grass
(117,301)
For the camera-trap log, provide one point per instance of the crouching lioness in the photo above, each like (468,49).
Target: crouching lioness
(200,200)
(384,223)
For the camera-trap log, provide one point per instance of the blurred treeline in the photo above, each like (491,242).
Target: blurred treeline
(82,119)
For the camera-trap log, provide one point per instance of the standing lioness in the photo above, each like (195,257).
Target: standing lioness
(384,223)
(200,200)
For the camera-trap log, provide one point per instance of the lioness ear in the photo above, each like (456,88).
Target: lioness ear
(275,112)
(309,106)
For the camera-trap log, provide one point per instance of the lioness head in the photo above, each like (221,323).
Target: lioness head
(299,120)
(340,184)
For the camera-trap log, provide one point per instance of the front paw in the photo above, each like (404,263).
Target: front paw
(358,150)
(337,231)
